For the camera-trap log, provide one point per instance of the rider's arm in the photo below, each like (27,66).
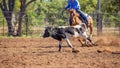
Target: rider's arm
(68,6)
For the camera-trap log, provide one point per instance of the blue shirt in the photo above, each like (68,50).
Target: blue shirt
(73,5)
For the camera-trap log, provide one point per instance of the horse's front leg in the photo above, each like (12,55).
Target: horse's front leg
(85,36)
(91,41)
(91,31)
(82,43)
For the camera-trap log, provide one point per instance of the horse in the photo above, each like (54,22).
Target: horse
(76,20)
(60,33)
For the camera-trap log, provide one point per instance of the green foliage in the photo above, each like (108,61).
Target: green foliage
(44,11)
(17,6)
(88,6)
(110,6)
(40,13)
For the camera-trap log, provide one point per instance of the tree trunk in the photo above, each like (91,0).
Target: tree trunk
(99,19)
(119,5)
(99,24)
(7,12)
(7,7)
(10,27)
(22,13)
(19,31)
(22,10)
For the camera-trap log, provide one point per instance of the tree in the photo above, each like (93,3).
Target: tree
(112,8)
(23,7)
(119,5)
(88,6)
(7,7)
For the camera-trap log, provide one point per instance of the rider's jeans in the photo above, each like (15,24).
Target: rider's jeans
(82,14)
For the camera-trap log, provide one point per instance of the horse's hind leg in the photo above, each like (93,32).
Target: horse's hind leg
(91,27)
(91,31)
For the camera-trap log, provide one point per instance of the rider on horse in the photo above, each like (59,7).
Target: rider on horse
(74,4)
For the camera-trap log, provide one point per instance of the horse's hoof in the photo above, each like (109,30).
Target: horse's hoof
(95,44)
(59,50)
(75,51)
(90,45)
(85,45)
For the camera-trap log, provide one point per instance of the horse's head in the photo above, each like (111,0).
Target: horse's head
(47,31)
(73,12)
(74,17)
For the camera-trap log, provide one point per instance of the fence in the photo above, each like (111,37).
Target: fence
(111,25)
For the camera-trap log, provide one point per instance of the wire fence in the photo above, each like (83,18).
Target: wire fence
(110,25)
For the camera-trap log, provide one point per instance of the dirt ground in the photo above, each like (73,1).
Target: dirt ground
(43,53)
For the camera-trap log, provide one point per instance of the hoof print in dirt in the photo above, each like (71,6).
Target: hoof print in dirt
(75,51)
(99,51)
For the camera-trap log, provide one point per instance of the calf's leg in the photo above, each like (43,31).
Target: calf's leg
(60,45)
(68,42)
(70,45)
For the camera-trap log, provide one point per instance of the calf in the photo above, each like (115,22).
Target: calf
(60,33)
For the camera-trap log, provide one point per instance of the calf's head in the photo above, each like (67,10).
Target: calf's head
(47,32)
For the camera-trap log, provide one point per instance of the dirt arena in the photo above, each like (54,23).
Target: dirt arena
(43,53)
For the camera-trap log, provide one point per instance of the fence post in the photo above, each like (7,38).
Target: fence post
(99,19)
(27,20)
(3,28)
(119,28)
(99,24)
